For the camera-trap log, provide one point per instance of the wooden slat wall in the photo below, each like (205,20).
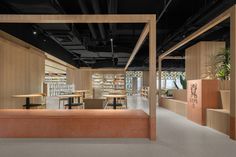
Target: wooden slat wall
(83,79)
(145,78)
(70,75)
(22,72)
(225,85)
(200,58)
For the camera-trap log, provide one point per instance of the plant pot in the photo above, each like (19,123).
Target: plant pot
(225,99)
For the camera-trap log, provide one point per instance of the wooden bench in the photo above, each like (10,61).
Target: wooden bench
(177,106)
(218,119)
(19,123)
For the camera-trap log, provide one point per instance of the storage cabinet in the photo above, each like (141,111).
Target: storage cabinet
(201,95)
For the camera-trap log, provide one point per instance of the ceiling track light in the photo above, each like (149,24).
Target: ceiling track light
(34,32)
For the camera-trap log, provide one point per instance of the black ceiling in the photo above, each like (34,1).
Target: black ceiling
(90,45)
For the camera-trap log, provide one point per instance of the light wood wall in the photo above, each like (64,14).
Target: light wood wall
(70,75)
(199,62)
(22,72)
(145,78)
(82,78)
(224,85)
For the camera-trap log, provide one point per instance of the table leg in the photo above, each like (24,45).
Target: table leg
(114,103)
(83,94)
(70,102)
(27,103)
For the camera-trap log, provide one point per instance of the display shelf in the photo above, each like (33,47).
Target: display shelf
(56,85)
(145,91)
(108,82)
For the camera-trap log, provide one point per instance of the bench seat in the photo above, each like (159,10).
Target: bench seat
(218,119)
(177,106)
(19,123)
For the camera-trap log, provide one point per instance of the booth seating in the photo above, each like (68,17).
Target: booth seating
(19,123)
(94,103)
(218,119)
(177,104)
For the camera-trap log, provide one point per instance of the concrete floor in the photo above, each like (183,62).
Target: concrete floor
(177,137)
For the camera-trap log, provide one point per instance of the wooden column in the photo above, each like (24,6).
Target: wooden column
(233,72)
(152,77)
(159,80)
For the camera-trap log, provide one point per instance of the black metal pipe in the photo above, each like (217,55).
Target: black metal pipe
(164,10)
(84,9)
(96,9)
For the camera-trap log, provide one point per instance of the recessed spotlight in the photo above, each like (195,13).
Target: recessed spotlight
(34,32)
(44,40)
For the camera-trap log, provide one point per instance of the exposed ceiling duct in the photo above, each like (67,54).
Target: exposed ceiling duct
(112,9)
(84,9)
(96,9)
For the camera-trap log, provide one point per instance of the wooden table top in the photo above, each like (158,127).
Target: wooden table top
(115,96)
(69,96)
(27,95)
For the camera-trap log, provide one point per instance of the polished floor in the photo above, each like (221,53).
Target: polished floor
(177,137)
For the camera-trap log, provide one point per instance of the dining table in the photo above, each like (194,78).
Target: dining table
(115,97)
(27,99)
(70,98)
(81,91)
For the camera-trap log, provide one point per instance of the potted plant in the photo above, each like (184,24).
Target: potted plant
(183,82)
(222,66)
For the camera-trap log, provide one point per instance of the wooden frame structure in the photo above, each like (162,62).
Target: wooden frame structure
(230,13)
(149,20)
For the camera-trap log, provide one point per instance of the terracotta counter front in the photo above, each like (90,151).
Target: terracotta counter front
(74,124)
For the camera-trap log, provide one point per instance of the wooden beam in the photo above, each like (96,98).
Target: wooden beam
(233,74)
(174,57)
(159,79)
(152,77)
(199,32)
(114,18)
(138,44)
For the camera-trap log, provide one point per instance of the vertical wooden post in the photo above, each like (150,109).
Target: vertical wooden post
(159,80)
(233,72)
(152,77)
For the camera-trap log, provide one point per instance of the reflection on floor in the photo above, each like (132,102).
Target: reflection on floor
(177,137)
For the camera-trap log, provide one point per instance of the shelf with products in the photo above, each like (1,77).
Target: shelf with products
(108,83)
(56,85)
(145,91)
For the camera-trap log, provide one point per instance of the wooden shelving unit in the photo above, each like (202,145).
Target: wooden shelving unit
(145,91)
(56,85)
(108,83)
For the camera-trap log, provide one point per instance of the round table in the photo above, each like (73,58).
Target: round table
(81,91)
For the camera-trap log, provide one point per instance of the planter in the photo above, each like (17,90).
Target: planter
(180,94)
(225,99)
